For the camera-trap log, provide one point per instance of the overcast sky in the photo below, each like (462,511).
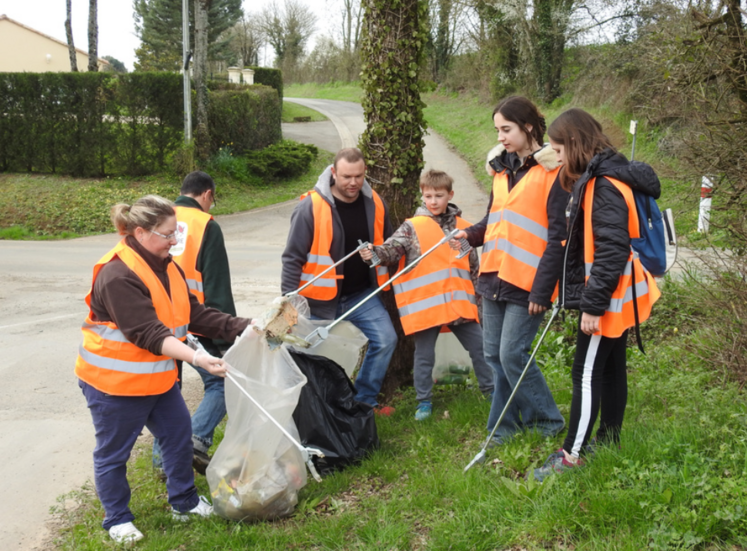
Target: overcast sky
(116,24)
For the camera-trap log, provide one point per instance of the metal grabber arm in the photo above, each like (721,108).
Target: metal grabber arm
(360,247)
(321,333)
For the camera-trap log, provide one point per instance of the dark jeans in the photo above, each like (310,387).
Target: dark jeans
(118,421)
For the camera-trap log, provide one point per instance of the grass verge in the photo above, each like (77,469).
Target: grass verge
(292,112)
(34,206)
(677,481)
(342,91)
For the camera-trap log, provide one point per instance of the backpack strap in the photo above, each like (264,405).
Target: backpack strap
(635,313)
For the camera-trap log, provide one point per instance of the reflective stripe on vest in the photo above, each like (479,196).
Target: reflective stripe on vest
(319,257)
(111,363)
(191,224)
(438,290)
(517,230)
(620,314)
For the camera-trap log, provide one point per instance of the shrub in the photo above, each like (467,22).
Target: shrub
(88,124)
(283,160)
(225,163)
(249,119)
(269,77)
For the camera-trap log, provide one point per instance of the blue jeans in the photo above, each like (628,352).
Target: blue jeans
(374,321)
(209,413)
(118,421)
(508,332)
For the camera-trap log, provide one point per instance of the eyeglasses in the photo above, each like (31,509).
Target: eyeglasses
(166,237)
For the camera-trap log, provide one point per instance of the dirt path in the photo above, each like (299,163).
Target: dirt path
(47,435)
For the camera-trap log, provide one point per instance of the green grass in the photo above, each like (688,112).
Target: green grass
(343,91)
(677,481)
(292,111)
(34,206)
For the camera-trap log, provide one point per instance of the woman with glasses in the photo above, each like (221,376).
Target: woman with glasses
(140,311)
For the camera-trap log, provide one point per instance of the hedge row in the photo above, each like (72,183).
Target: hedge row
(262,75)
(88,123)
(245,119)
(91,124)
(269,77)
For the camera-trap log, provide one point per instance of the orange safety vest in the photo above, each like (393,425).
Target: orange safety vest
(190,230)
(108,361)
(438,290)
(620,314)
(319,258)
(516,234)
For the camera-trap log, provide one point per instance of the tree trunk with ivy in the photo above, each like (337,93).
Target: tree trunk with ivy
(392,47)
(202,134)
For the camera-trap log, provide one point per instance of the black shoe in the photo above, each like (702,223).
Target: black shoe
(200,461)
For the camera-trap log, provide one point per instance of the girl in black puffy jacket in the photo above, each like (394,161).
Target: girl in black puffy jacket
(600,270)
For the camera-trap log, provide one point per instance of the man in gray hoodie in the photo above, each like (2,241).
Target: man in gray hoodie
(325,226)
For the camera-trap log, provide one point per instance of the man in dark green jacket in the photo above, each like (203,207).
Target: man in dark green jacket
(201,253)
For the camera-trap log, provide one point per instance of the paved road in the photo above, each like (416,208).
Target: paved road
(47,436)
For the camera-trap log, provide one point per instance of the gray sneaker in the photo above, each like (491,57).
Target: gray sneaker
(556,463)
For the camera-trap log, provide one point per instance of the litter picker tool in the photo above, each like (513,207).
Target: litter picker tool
(464,247)
(375,260)
(480,457)
(232,375)
(360,247)
(321,333)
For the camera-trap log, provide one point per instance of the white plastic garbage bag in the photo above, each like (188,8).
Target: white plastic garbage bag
(452,360)
(256,472)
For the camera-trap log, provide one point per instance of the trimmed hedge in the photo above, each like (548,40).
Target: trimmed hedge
(89,124)
(245,119)
(269,77)
(92,124)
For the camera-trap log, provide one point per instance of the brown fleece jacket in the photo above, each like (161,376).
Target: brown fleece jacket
(119,295)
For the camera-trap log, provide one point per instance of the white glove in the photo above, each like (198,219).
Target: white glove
(211,364)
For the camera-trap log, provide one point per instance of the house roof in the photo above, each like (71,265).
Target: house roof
(4,17)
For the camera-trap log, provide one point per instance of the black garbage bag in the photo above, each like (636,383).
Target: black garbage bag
(329,418)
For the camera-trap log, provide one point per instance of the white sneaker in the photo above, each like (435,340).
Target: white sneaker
(125,533)
(203,509)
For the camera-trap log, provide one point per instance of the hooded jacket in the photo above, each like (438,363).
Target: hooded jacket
(610,227)
(301,236)
(490,285)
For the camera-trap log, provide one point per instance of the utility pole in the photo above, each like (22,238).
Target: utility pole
(186,55)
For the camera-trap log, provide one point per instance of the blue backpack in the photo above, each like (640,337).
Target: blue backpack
(657,245)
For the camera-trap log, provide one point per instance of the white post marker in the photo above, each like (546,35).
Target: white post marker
(633,129)
(704,216)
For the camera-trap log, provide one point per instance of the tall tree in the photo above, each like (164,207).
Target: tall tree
(116,65)
(93,36)
(158,24)
(69,34)
(246,39)
(351,29)
(445,18)
(202,135)
(552,21)
(287,28)
(392,47)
